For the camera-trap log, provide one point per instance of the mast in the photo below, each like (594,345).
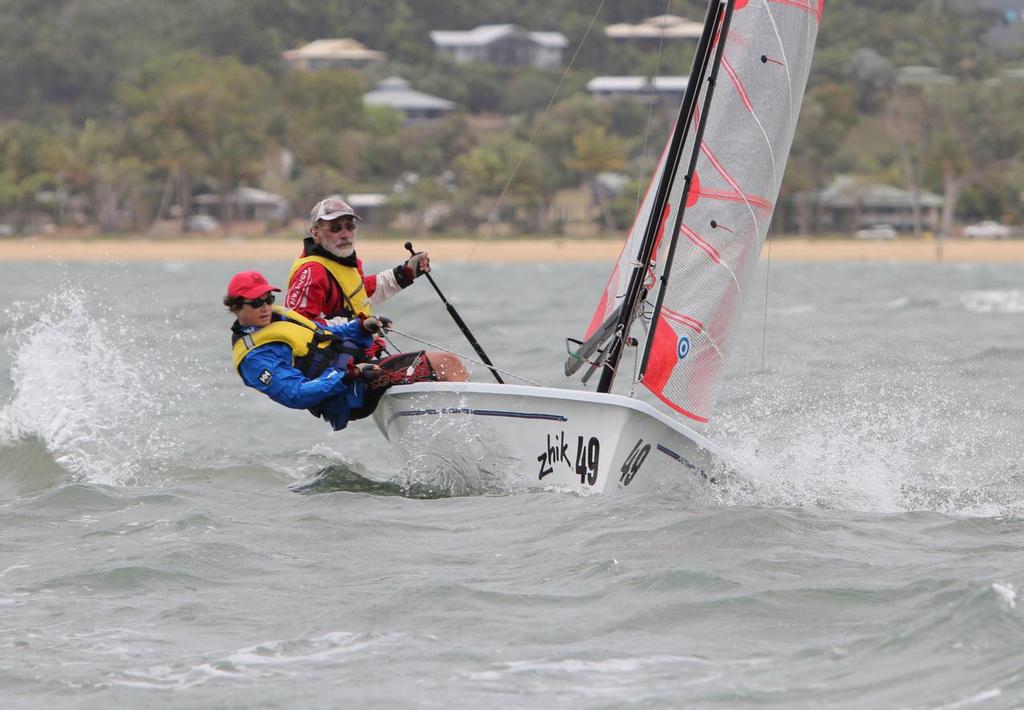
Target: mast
(698,138)
(715,20)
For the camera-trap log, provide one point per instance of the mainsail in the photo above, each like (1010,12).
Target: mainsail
(716,202)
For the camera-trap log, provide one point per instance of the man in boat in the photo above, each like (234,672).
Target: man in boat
(305,365)
(327,284)
(327,280)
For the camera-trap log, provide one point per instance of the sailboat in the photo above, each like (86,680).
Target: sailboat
(672,296)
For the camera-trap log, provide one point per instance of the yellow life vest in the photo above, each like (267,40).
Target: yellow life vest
(299,332)
(348,280)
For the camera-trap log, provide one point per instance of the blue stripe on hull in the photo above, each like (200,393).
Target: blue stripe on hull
(673,455)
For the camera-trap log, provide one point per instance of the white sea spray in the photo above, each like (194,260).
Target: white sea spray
(86,385)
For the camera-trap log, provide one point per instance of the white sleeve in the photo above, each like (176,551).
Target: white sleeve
(387,286)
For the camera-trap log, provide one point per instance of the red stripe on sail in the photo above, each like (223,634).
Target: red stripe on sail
(702,244)
(720,168)
(663,359)
(804,5)
(602,310)
(744,96)
(759,202)
(689,321)
(663,356)
(605,305)
(682,410)
(657,243)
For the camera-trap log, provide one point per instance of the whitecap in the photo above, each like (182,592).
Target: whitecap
(1005,301)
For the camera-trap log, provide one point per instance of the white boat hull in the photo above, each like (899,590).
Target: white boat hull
(516,436)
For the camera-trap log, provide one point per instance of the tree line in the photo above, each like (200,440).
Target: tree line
(131,107)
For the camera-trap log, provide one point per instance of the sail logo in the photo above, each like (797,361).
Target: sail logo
(683,348)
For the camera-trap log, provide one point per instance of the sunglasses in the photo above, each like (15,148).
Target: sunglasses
(338,225)
(258,302)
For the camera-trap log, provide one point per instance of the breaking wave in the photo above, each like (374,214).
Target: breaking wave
(909,445)
(81,390)
(1006,301)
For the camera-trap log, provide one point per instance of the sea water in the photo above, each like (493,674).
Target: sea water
(172,539)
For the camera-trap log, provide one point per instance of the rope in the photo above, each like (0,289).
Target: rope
(537,122)
(464,357)
(764,324)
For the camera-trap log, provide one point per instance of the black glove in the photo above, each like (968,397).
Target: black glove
(377,325)
(366,372)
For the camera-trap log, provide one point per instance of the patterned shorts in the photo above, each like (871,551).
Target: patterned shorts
(399,369)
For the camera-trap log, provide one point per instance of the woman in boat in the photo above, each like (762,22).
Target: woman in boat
(305,365)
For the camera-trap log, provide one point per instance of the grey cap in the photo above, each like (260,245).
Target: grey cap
(331,208)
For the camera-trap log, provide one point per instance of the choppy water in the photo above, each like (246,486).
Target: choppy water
(169,541)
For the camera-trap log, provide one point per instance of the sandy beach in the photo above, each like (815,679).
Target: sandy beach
(484,250)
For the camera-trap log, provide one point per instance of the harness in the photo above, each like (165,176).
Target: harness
(346,279)
(313,347)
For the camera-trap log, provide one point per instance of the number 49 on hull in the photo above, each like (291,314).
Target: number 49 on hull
(546,437)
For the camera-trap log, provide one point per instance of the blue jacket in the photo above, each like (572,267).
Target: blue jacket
(332,395)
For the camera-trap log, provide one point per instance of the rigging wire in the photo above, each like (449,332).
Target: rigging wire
(537,122)
(767,278)
(650,109)
(460,355)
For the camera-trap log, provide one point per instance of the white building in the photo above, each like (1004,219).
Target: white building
(668,89)
(396,93)
(656,29)
(503,45)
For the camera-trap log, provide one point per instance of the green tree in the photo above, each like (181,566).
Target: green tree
(499,173)
(826,119)
(94,162)
(24,151)
(595,152)
(215,109)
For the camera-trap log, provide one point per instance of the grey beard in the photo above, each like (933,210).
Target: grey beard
(341,252)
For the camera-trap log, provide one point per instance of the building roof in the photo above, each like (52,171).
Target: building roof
(366,200)
(618,83)
(395,92)
(340,49)
(848,191)
(658,27)
(486,34)
(637,84)
(244,195)
(922,75)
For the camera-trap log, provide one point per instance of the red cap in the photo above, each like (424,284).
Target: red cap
(249,284)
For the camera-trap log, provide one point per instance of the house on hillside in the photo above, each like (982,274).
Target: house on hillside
(502,45)
(664,89)
(923,76)
(849,204)
(332,54)
(395,92)
(654,30)
(243,203)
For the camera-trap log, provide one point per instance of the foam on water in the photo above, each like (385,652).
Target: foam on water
(277,659)
(82,386)
(1010,301)
(910,444)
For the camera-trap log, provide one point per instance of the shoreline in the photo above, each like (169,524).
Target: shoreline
(37,249)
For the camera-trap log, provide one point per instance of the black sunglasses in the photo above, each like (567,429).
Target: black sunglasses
(337,225)
(258,302)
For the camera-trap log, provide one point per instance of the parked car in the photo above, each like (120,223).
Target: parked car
(201,223)
(878,231)
(987,229)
